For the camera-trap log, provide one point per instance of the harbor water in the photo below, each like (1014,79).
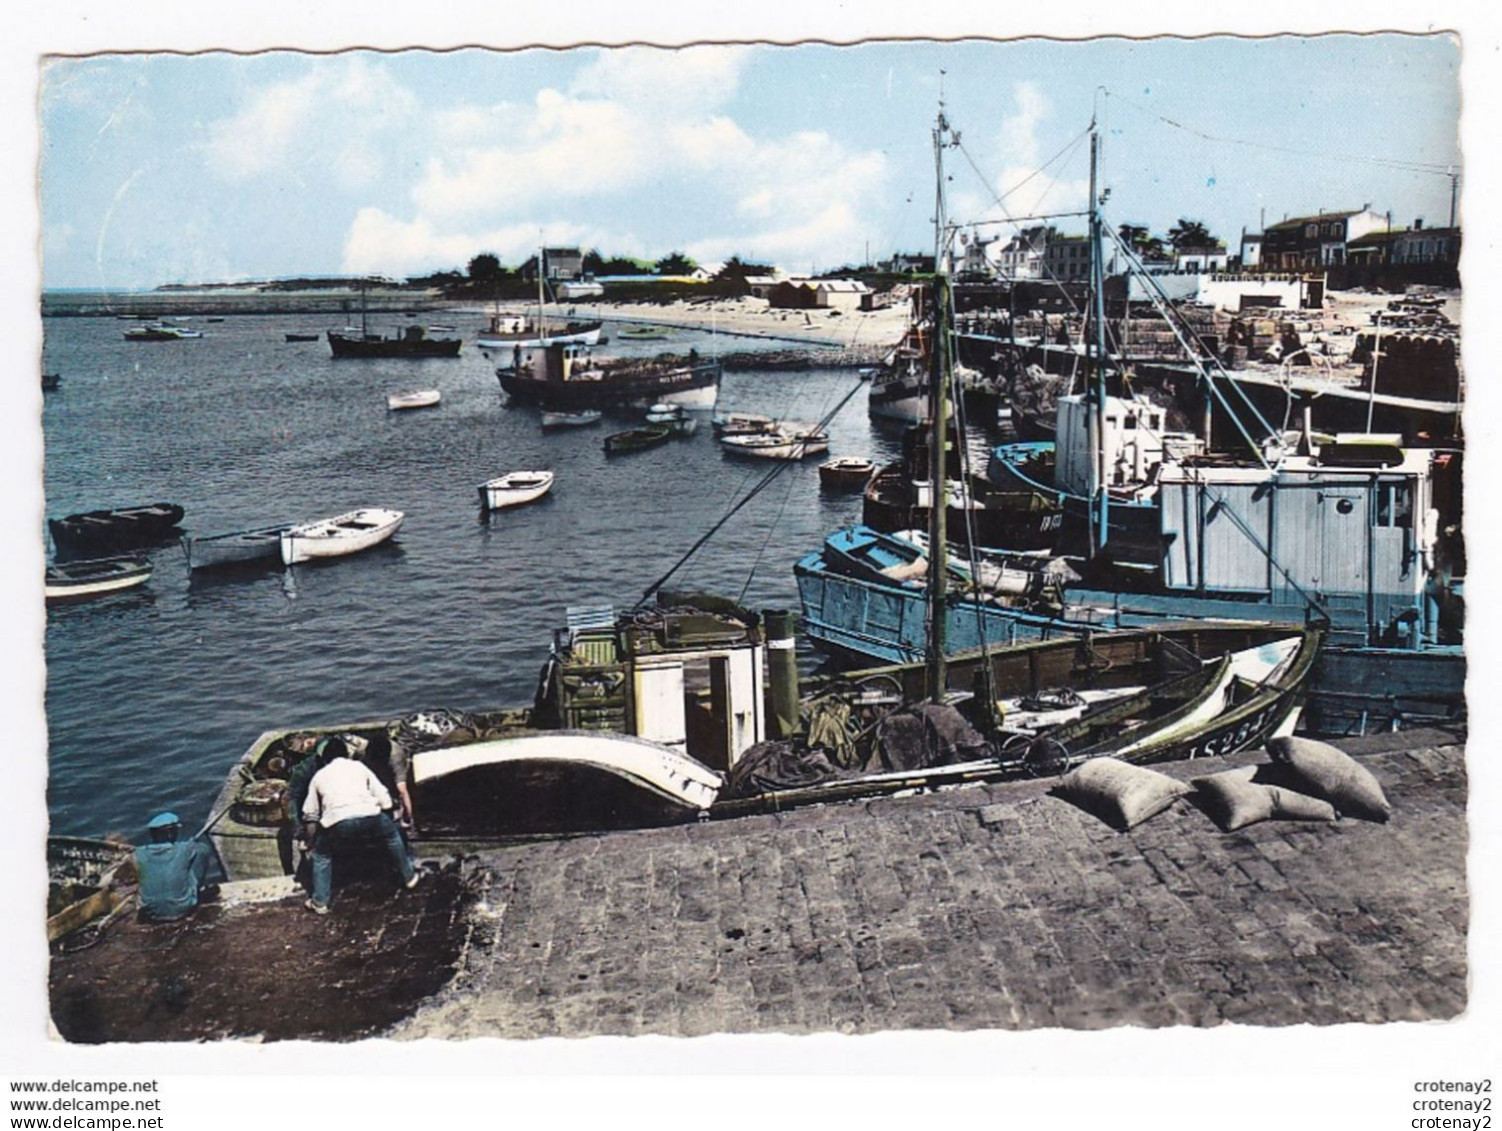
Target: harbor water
(153,694)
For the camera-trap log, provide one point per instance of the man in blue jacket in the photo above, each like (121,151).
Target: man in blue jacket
(171,873)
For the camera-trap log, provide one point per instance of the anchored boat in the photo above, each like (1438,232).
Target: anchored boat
(119,529)
(413,398)
(67,581)
(347,533)
(238,547)
(515,488)
(570,419)
(637,439)
(564,378)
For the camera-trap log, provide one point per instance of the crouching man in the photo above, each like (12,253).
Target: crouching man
(348,807)
(171,873)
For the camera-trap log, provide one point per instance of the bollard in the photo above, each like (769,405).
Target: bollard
(782,671)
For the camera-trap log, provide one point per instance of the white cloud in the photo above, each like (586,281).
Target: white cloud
(636,134)
(1023,189)
(826,236)
(344,113)
(380,243)
(688,81)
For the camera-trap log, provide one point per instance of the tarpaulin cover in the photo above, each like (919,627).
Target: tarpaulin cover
(781,764)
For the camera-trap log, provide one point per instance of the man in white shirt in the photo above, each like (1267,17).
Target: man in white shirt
(347,806)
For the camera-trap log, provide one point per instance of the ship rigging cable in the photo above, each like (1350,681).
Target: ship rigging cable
(777,469)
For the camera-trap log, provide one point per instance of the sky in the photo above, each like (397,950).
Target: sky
(181,168)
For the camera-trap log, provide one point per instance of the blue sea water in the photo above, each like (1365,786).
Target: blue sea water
(153,694)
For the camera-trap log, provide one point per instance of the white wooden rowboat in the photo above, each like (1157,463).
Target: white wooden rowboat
(778,444)
(334,537)
(413,398)
(69,580)
(515,488)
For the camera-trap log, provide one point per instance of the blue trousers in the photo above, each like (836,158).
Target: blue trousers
(361,832)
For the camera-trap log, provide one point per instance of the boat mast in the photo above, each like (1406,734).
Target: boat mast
(1100,504)
(938,565)
(541,252)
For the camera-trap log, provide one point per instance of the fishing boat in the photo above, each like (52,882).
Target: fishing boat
(1176,692)
(532,331)
(506,333)
(51,381)
(1344,531)
(899,496)
(413,398)
(347,533)
(409,342)
(846,473)
(235,548)
(570,419)
(68,581)
(640,717)
(781,443)
(515,488)
(637,439)
(412,342)
(899,386)
(121,528)
(568,378)
(618,735)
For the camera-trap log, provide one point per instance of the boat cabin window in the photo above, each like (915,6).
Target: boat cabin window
(1394,504)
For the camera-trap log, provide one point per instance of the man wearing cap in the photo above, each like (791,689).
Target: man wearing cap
(347,805)
(171,873)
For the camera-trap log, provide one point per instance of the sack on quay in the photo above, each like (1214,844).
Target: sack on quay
(1333,775)
(1235,801)
(1120,794)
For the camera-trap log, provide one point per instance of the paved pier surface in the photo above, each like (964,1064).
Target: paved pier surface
(987,906)
(992,906)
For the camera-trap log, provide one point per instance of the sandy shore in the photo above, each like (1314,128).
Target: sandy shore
(746,317)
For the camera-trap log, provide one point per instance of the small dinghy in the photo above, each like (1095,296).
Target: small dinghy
(781,443)
(637,439)
(571,419)
(66,581)
(515,488)
(846,472)
(238,547)
(291,337)
(674,417)
(334,537)
(413,398)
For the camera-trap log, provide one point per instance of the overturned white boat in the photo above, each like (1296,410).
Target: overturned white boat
(560,781)
(347,533)
(515,488)
(413,398)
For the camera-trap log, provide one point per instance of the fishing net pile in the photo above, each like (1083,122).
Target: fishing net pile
(916,737)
